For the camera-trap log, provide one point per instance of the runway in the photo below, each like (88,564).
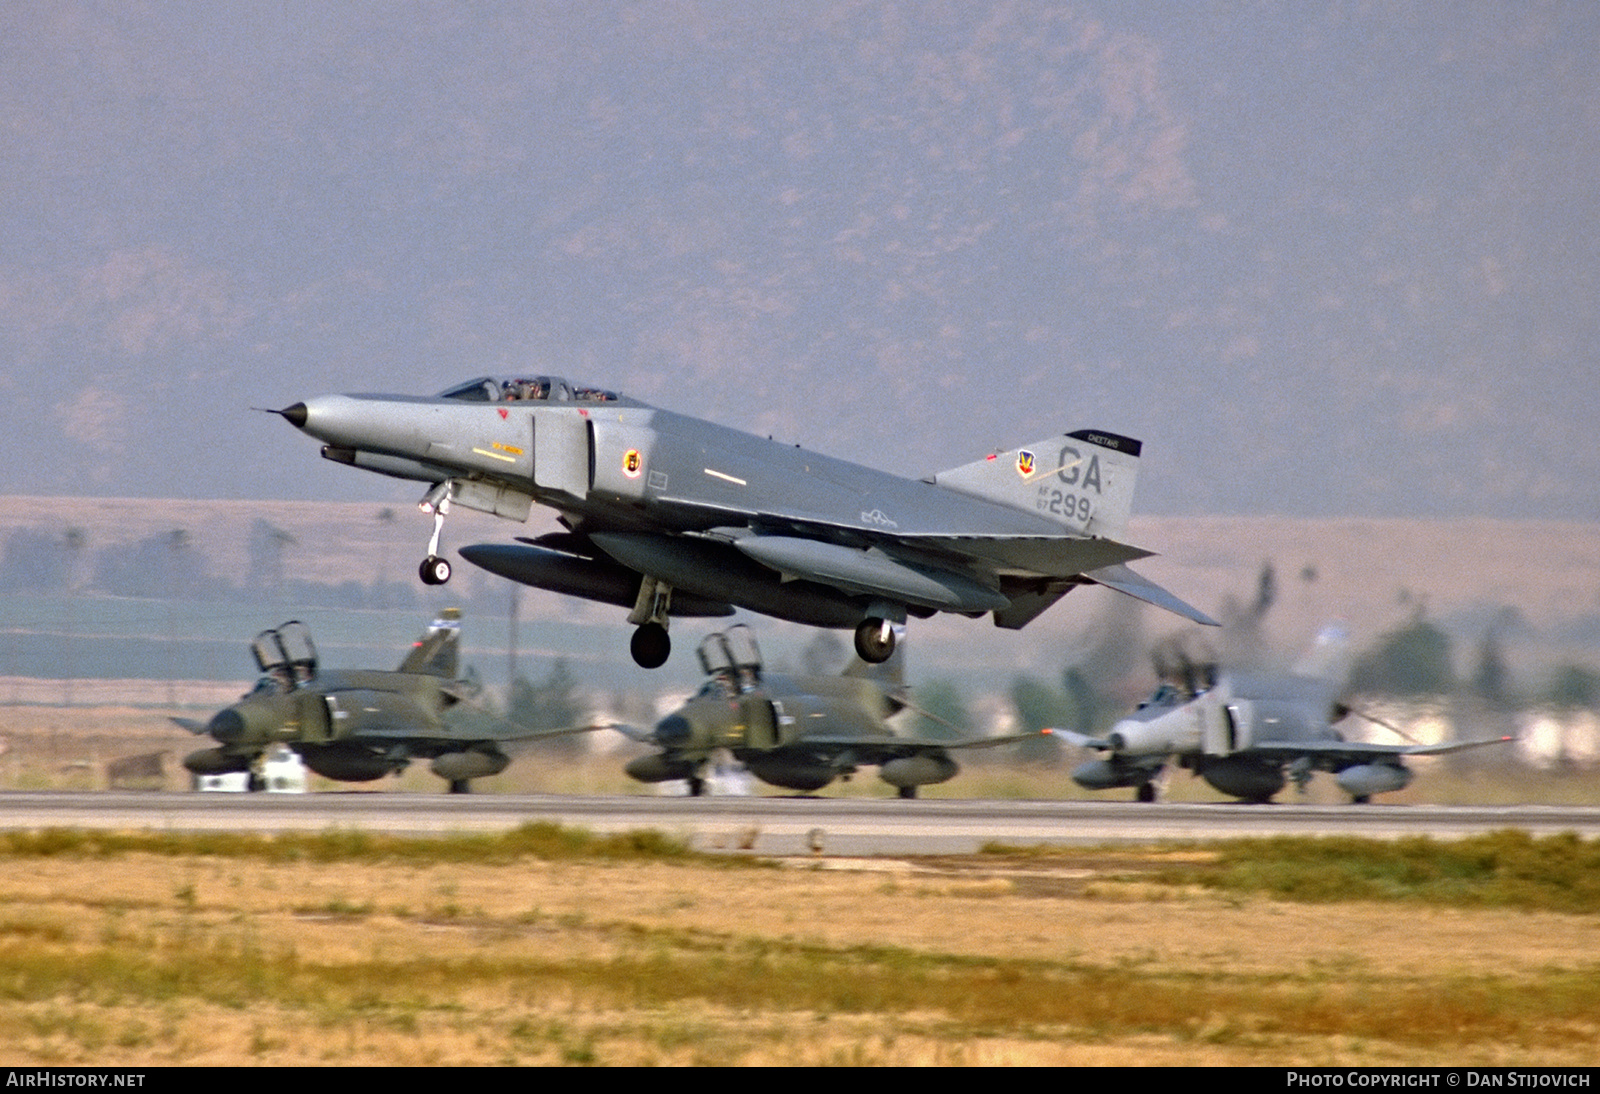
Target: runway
(779,826)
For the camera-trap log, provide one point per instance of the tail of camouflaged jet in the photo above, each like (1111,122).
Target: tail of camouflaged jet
(1083,481)
(438,651)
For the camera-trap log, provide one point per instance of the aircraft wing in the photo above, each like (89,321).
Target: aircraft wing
(1081,740)
(633,733)
(511,731)
(1362,749)
(466,724)
(906,743)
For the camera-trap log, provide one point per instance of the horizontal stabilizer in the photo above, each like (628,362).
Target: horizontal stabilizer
(1125,581)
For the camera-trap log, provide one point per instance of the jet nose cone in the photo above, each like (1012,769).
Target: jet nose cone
(227,726)
(295,415)
(672,730)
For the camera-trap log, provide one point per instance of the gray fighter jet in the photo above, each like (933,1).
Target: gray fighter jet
(797,732)
(670,515)
(354,725)
(1248,734)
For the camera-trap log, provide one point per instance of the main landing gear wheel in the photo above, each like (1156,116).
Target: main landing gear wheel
(650,646)
(434,570)
(908,792)
(1147,792)
(875,640)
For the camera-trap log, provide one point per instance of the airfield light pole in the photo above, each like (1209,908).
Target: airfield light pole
(385,523)
(75,539)
(177,540)
(511,643)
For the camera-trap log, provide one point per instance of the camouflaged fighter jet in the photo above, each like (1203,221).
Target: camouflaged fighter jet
(797,732)
(353,725)
(670,515)
(1250,733)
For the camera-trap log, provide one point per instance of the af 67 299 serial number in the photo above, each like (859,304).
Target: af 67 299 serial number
(1064,504)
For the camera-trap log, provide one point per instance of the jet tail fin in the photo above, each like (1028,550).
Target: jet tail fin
(438,651)
(1083,481)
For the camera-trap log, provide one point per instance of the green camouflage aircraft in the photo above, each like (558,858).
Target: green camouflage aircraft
(797,732)
(355,725)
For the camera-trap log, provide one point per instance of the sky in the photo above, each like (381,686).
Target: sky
(1324,259)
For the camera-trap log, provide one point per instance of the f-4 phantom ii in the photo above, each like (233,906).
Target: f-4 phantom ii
(797,732)
(1248,734)
(670,515)
(353,725)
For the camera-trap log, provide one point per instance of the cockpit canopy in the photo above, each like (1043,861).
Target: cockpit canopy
(286,654)
(730,652)
(546,389)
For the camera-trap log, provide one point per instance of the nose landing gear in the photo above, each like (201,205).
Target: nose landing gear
(435,570)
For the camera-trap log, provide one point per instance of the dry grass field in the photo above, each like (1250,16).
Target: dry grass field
(204,953)
(130,957)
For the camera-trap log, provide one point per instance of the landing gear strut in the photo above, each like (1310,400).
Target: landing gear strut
(875,640)
(435,570)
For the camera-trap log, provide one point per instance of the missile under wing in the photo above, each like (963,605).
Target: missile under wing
(668,515)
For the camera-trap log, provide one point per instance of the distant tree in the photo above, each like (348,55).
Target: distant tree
(1242,639)
(1574,687)
(159,566)
(552,703)
(942,700)
(1085,701)
(1491,679)
(1038,705)
(1410,661)
(823,655)
(33,560)
(268,543)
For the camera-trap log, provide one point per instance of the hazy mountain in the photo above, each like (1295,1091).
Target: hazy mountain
(1326,259)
